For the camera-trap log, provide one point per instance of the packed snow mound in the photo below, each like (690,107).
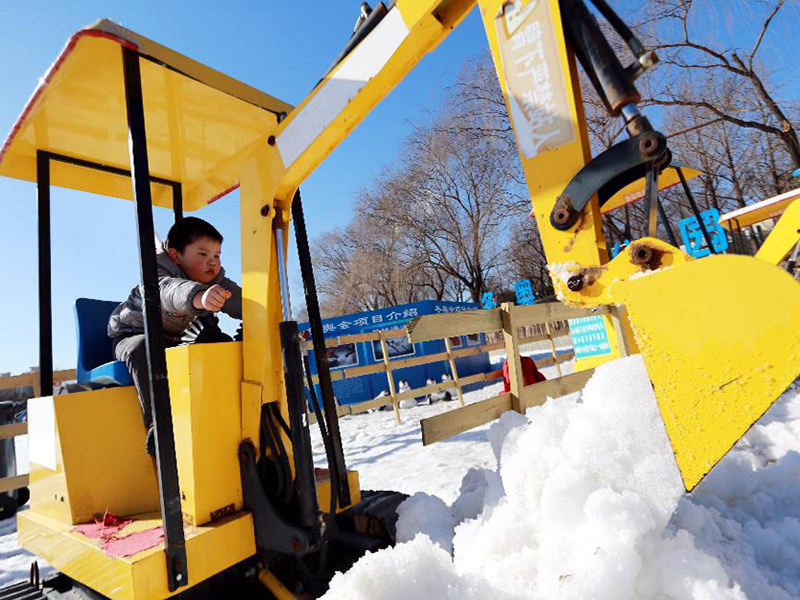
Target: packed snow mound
(580,507)
(423,513)
(417,569)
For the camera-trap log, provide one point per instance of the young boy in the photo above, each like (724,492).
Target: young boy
(192,283)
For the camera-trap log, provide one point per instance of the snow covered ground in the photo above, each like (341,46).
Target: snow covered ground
(580,498)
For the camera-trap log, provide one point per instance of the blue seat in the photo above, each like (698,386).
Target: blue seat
(96,364)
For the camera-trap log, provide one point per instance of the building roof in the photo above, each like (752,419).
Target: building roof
(771,208)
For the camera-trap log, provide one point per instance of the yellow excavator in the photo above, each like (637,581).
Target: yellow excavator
(233,501)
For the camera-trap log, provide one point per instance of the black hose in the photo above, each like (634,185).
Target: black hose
(282,458)
(326,441)
(620,27)
(315,326)
(283,424)
(266,435)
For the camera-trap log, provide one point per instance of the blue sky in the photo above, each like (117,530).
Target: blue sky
(280,47)
(275,46)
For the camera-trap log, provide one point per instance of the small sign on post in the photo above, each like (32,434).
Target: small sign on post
(524,291)
(487,300)
(589,336)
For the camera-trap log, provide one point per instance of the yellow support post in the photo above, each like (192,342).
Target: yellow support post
(261,303)
(783,237)
(274,585)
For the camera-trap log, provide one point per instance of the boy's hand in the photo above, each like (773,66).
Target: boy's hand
(212,299)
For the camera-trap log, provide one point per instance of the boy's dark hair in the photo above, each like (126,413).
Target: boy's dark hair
(189,230)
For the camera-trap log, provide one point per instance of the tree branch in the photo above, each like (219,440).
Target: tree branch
(763,32)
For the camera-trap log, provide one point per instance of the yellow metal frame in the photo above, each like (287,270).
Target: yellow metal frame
(143,576)
(201,124)
(86,456)
(633,192)
(783,237)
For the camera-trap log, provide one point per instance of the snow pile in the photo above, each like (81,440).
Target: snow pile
(579,507)
(429,515)
(746,512)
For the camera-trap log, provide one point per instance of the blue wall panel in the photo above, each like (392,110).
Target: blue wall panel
(360,389)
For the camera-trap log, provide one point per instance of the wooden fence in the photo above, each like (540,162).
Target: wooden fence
(482,322)
(12,430)
(509,319)
(388,366)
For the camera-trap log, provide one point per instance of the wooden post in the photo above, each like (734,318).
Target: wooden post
(453,370)
(619,331)
(390,377)
(511,338)
(37,388)
(553,348)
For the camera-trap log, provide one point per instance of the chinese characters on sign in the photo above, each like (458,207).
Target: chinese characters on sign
(487,301)
(524,292)
(589,336)
(693,236)
(618,247)
(439,309)
(536,92)
(394,317)
(379,320)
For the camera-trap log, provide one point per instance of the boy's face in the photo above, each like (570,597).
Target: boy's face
(199,260)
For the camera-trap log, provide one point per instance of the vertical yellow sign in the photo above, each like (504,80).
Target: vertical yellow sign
(537,97)
(539,78)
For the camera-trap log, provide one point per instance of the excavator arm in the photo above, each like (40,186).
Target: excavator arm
(713,347)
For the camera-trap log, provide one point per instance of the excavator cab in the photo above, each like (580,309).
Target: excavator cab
(233,478)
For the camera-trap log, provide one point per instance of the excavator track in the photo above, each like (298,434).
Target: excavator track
(22,590)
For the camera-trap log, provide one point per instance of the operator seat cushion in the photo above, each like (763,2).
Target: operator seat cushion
(96,362)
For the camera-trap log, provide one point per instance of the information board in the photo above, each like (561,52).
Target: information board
(589,336)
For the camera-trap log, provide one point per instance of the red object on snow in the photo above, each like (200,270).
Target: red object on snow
(530,374)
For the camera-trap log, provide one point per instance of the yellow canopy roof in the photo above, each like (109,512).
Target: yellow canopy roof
(771,208)
(635,191)
(200,122)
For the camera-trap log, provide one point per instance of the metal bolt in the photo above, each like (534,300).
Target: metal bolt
(562,211)
(561,216)
(265,210)
(576,283)
(271,140)
(642,255)
(648,144)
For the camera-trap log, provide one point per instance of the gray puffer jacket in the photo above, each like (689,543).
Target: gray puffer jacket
(177,293)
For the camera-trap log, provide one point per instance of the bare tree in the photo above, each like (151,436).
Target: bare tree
(712,70)
(369,265)
(451,198)
(437,226)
